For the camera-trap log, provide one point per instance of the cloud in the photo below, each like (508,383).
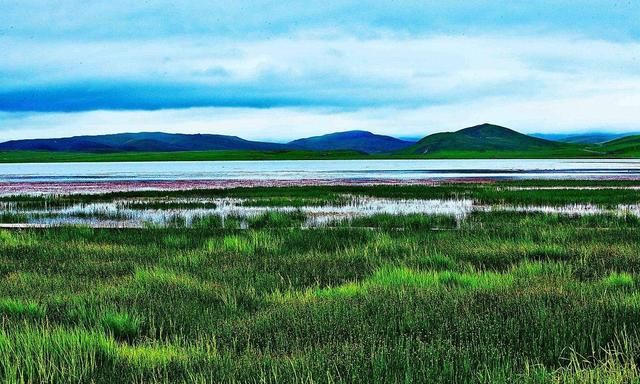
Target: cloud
(406,68)
(120,19)
(341,71)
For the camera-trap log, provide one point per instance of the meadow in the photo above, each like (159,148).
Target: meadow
(497,296)
(617,149)
(228,155)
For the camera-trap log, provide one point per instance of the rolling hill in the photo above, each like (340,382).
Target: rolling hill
(628,146)
(483,138)
(140,142)
(362,141)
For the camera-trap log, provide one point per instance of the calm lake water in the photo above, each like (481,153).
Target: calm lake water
(321,170)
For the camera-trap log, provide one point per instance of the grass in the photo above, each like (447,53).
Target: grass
(628,148)
(496,297)
(121,325)
(19,308)
(223,155)
(619,280)
(10,217)
(616,192)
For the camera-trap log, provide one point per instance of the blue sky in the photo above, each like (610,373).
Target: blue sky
(282,70)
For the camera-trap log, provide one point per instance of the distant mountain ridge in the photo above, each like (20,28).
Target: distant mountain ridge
(141,142)
(582,138)
(362,141)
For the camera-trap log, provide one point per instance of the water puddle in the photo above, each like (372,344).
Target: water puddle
(139,213)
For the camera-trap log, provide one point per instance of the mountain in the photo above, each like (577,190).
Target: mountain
(362,141)
(483,138)
(140,142)
(582,138)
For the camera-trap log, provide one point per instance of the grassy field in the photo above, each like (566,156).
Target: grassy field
(499,297)
(628,146)
(65,157)
(57,157)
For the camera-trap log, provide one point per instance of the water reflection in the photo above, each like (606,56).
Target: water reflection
(135,213)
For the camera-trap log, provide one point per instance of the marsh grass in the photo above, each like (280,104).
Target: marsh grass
(497,297)
(10,217)
(277,219)
(122,325)
(21,309)
(617,192)
(619,281)
(409,221)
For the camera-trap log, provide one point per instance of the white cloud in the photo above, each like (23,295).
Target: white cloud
(398,84)
(432,64)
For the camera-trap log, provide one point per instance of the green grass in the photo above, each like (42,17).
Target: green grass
(496,297)
(64,157)
(11,217)
(618,150)
(18,308)
(619,280)
(121,325)
(626,146)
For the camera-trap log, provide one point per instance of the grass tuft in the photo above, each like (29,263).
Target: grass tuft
(20,308)
(619,280)
(122,325)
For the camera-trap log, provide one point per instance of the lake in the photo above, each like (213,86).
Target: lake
(322,170)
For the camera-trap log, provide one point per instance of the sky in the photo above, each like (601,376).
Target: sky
(281,70)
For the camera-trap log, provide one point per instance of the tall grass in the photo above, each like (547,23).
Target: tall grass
(503,297)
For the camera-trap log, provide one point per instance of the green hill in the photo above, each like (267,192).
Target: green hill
(492,141)
(628,146)
(484,137)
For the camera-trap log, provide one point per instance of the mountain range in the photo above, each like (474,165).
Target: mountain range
(141,142)
(361,141)
(484,140)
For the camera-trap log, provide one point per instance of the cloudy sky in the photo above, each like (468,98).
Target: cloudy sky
(280,70)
